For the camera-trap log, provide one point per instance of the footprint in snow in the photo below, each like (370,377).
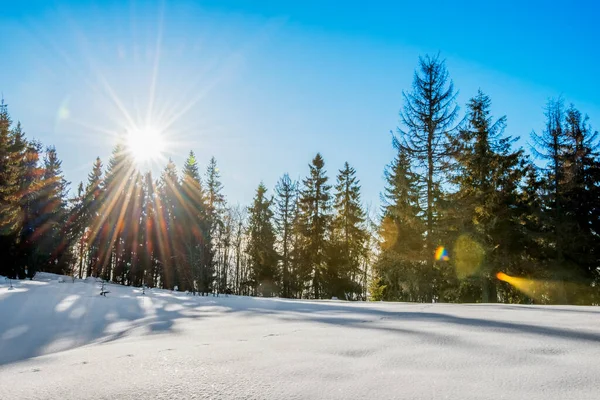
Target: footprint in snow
(271,334)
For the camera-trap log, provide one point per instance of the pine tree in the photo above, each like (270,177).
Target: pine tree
(9,197)
(54,238)
(299,271)
(349,236)
(428,118)
(168,215)
(239,229)
(550,146)
(215,204)
(398,270)
(195,229)
(262,256)
(581,191)
(31,184)
(90,210)
(314,222)
(118,184)
(487,177)
(151,231)
(285,211)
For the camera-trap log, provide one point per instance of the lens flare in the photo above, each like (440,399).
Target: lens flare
(468,256)
(441,254)
(551,291)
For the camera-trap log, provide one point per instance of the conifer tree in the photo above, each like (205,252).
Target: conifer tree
(581,247)
(31,208)
(90,214)
(284,218)
(487,176)
(9,198)
(427,120)
(195,229)
(550,146)
(262,257)
(215,206)
(348,236)
(110,226)
(54,238)
(314,223)
(168,215)
(398,270)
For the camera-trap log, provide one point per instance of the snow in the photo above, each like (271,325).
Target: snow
(64,340)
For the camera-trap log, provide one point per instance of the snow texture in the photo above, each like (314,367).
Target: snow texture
(65,341)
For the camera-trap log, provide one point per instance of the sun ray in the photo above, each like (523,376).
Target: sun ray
(157,52)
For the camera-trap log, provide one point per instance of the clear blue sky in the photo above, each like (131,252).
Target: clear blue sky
(264,85)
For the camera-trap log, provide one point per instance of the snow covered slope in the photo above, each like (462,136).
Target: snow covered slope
(64,341)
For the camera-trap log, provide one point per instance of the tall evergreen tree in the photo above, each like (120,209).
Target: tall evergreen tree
(284,218)
(427,120)
(581,247)
(118,183)
(171,255)
(348,236)
(487,176)
(398,270)
(550,146)
(31,208)
(215,204)
(9,195)
(195,230)
(262,256)
(90,210)
(54,237)
(314,222)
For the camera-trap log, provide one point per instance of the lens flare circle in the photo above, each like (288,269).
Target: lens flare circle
(441,254)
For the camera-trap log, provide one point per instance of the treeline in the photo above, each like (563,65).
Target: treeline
(308,239)
(465,217)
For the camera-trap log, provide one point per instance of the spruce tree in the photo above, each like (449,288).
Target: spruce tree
(314,222)
(581,247)
(348,236)
(398,270)
(427,120)
(284,218)
(168,217)
(487,177)
(195,229)
(215,204)
(54,239)
(31,208)
(10,222)
(90,210)
(118,183)
(550,146)
(262,257)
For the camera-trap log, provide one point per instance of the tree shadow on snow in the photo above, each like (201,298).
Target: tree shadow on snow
(363,315)
(51,318)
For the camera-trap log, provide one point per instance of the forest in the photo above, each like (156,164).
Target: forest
(466,215)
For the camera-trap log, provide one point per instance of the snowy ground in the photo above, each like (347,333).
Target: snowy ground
(64,341)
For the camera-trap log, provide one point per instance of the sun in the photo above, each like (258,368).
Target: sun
(146,144)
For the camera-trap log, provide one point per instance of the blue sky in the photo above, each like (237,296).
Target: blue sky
(263,86)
